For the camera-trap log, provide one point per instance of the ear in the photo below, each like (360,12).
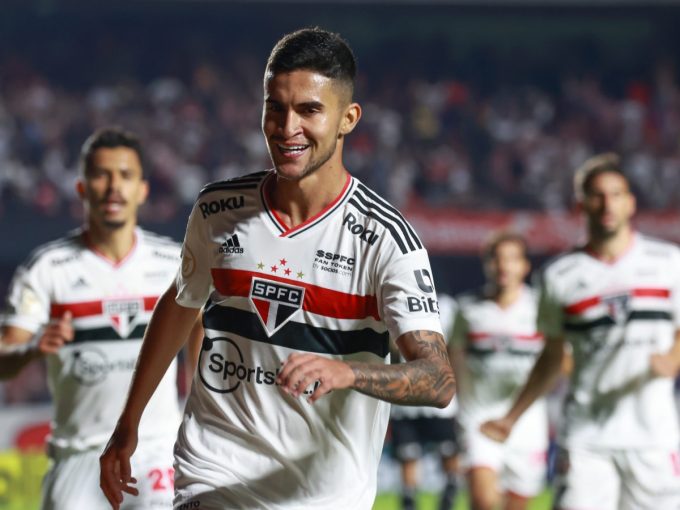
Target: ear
(143,192)
(80,188)
(350,118)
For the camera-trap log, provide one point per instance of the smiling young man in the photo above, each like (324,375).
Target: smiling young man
(83,302)
(307,274)
(616,301)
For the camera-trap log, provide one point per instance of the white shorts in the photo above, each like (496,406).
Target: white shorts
(520,470)
(72,481)
(617,480)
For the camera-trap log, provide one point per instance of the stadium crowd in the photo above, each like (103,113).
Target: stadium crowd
(440,142)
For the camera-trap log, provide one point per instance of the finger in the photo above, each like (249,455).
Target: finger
(129,488)
(66,326)
(288,368)
(323,389)
(109,482)
(125,469)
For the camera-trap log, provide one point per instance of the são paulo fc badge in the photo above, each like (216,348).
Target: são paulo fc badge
(275,303)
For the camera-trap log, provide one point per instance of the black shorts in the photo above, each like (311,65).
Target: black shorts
(411,436)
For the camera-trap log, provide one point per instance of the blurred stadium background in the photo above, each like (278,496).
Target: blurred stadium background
(475,114)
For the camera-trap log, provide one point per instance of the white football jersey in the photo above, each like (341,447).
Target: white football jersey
(111,305)
(615,316)
(339,285)
(500,348)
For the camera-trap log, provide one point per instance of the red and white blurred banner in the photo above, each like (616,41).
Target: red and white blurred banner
(451,232)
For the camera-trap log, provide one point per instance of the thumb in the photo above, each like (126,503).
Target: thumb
(67,317)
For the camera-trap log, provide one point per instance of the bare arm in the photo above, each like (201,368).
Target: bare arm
(165,335)
(543,376)
(667,364)
(16,353)
(425,379)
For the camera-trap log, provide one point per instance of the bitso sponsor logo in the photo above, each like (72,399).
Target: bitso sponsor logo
(231,246)
(364,233)
(422,304)
(424,280)
(91,366)
(333,262)
(123,314)
(275,303)
(221,205)
(222,368)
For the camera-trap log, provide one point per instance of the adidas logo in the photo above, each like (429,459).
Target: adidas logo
(79,283)
(231,246)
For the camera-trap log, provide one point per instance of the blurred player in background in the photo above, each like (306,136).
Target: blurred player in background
(494,344)
(308,274)
(616,301)
(415,429)
(83,302)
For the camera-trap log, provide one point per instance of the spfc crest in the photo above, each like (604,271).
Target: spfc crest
(618,307)
(275,303)
(122,314)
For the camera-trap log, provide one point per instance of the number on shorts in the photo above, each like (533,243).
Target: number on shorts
(162,479)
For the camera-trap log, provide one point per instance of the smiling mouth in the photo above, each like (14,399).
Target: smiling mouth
(292,150)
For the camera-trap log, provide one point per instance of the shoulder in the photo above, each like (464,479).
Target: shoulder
(364,205)
(657,248)
(561,266)
(56,253)
(244,182)
(162,247)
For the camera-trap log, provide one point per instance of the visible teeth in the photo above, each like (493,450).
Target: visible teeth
(292,148)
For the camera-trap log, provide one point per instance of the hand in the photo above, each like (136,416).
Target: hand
(115,471)
(301,370)
(663,365)
(498,430)
(57,333)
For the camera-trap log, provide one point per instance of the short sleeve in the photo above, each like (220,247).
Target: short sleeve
(28,300)
(194,281)
(406,294)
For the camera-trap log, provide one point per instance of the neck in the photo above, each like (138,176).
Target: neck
(612,247)
(506,296)
(114,244)
(297,201)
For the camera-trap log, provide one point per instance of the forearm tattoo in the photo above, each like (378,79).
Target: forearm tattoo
(426,379)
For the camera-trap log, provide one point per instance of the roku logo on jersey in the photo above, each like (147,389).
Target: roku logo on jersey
(222,368)
(221,205)
(364,233)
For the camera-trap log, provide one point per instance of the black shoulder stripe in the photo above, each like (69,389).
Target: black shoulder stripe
(379,201)
(249,181)
(389,226)
(38,252)
(412,241)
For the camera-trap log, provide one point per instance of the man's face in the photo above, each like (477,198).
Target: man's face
(608,205)
(508,266)
(113,188)
(304,117)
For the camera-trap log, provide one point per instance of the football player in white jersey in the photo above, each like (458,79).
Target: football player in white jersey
(307,273)
(616,302)
(83,302)
(494,344)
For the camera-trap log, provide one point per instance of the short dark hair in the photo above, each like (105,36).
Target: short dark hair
(505,236)
(109,137)
(317,50)
(607,162)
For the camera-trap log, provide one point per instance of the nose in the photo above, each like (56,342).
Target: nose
(114,181)
(290,123)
